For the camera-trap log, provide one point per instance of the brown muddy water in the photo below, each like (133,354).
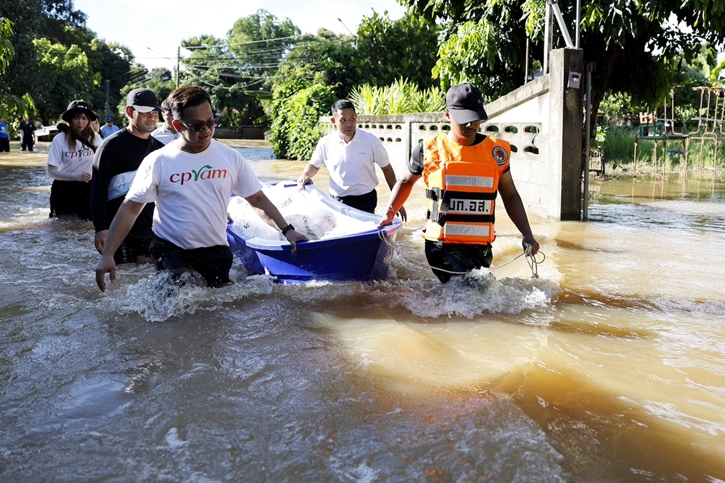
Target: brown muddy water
(609,367)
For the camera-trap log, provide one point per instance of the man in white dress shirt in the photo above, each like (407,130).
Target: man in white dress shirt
(350,155)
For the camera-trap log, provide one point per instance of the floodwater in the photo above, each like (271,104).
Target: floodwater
(608,367)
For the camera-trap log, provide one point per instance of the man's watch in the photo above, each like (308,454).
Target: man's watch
(286,229)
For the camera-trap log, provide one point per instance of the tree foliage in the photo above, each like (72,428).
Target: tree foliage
(388,50)
(11,106)
(322,68)
(258,43)
(42,29)
(297,105)
(213,65)
(325,58)
(480,42)
(67,75)
(7,51)
(635,44)
(238,70)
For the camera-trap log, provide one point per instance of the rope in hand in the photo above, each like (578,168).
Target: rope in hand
(532,261)
(530,258)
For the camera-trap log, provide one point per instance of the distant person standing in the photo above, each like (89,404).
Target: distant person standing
(27,134)
(166,133)
(350,155)
(70,161)
(109,128)
(114,168)
(4,136)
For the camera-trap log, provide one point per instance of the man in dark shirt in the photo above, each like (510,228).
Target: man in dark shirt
(114,167)
(27,134)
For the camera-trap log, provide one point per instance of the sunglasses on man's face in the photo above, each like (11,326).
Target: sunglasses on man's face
(200,126)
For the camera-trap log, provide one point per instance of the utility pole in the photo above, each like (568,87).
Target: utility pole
(178,61)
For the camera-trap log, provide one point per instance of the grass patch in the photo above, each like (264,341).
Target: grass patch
(618,148)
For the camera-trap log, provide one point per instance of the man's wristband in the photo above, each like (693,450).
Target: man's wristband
(286,229)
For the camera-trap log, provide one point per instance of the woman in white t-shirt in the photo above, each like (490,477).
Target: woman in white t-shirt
(70,161)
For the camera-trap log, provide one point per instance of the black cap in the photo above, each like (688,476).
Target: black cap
(465,104)
(142,100)
(78,107)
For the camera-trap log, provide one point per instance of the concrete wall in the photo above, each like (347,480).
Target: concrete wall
(543,122)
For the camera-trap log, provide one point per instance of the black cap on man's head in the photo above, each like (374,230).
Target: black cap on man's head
(142,100)
(465,104)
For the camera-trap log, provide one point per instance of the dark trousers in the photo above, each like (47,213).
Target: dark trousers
(5,145)
(212,263)
(70,198)
(458,258)
(27,143)
(366,202)
(131,248)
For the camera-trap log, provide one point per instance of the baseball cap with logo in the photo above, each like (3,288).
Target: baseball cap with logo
(465,104)
(142,100)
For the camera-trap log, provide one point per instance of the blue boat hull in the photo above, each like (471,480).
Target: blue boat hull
(363,256)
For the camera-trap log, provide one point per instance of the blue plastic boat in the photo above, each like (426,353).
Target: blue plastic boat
(345,243)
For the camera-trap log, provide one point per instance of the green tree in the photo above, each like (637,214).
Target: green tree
(388,50)
(7,51)
(296,129)
(634,44)
(212,65)
(317,71)
(114,65)
(67,75)
(258,43)
(238,71)
(34,19)
(325,58)
(61,24)
(11,106)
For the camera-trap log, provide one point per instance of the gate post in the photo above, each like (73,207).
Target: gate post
(565,137)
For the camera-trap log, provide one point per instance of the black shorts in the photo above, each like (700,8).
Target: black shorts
(367,202)
(212,263)
(70,198)
(455,257)
(131,248)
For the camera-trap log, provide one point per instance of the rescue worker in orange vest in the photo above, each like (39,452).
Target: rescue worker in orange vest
(463,171)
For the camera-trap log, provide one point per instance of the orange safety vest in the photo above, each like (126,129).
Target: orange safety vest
(461,187)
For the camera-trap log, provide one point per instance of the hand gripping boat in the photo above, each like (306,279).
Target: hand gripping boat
(345,243)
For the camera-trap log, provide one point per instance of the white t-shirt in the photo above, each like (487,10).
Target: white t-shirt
(77,161)
(164,134)
(351,165)
(192,192)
